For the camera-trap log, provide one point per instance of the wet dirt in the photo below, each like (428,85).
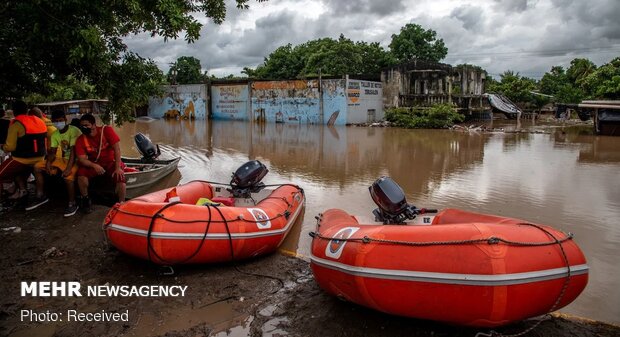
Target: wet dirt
(270,296)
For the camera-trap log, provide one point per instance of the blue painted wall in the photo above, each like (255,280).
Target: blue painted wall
(181,100)
(230,102)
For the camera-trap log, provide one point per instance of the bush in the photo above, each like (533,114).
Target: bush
(436,117)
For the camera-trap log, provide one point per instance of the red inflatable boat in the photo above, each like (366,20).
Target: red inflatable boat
(453,266)
(168,227)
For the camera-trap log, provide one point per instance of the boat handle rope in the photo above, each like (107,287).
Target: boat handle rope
(490,240)
(285,214)
(493,333)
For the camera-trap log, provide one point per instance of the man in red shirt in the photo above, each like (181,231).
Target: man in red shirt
(99,154)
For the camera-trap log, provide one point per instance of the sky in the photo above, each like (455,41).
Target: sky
(526,36)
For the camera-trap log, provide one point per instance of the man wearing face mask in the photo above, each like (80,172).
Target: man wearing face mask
(61,159)
(99,154)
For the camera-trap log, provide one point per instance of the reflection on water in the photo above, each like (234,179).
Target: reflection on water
(567,178)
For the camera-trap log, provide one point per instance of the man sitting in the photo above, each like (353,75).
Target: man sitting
(99,154)
(27,141)
(64,138)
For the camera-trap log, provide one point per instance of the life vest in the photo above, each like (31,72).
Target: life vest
(34,142)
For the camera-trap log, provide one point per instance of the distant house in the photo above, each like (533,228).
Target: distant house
(423,83)
(81,106)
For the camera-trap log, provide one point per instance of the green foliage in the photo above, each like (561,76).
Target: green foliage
(604,82)
(514,86)
(415,42)
(68,89)
(186,70)
(437,117)
(583,80)
(47,40)
(130,85)
(579,69)
(326,55)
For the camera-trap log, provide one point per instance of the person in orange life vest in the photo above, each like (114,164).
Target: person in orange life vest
(60,159)
(27,141)
(99,154)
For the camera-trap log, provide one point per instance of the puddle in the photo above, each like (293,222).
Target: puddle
(217,317)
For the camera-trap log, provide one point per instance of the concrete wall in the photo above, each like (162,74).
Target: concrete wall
(364,102)
(295,101)
(334,102)
(230,102)
(180,100)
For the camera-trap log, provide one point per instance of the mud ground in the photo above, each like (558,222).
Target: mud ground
(270,296)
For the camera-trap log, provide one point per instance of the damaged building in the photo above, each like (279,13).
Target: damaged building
(423,84)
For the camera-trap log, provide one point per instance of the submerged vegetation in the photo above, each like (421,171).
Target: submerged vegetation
(436,117)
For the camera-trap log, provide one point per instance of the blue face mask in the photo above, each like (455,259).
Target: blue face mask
(60,125)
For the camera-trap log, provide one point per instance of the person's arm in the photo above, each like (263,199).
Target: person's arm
(67,171)
(118,171)
(11,138)
(51,156)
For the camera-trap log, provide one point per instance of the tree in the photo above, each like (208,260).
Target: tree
(326,55)
(48,40)
(415,42)
(516,88)
(67,89)
(186,70)
(604,82)
(579,69)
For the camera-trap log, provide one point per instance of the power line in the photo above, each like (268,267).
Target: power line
(543,52)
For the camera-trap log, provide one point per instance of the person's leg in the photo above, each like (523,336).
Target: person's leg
(39,178)
(72,205)
(120,191)
(11,169)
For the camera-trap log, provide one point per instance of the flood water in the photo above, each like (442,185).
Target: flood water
(566,178)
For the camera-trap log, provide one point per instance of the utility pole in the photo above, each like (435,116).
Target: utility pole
(321,113)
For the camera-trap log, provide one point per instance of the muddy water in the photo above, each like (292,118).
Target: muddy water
(565,177)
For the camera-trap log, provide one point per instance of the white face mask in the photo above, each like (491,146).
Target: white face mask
(60,125)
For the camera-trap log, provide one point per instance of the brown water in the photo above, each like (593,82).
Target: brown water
(565,177)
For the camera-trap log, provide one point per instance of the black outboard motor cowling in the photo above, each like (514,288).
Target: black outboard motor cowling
(149,151)
(247,179)
(393,206)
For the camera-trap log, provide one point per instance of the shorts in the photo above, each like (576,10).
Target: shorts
(11,168)
(109,169)
(58,166)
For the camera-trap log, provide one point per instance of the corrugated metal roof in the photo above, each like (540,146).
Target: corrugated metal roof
(71,102)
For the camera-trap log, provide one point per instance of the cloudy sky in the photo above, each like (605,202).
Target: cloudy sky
(528,36)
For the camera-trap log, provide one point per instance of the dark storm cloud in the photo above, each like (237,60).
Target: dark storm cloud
(511,5)
(372,7)
(525,36)
(470,16)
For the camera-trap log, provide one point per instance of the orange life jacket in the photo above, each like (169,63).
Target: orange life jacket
(34,142)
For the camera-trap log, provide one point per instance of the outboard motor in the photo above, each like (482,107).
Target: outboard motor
(393,206)
(149,151)
(247,179)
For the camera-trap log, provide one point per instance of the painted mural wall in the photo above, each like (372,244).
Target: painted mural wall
(334,102)
(230,102)
(364,102)
(183,101)
(295,101)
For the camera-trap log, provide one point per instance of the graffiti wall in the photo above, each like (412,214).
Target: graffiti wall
(295,101)
(180,101)
(334,102)
(230,102)
(364,102)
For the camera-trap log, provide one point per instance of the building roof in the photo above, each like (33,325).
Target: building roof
(72,102)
